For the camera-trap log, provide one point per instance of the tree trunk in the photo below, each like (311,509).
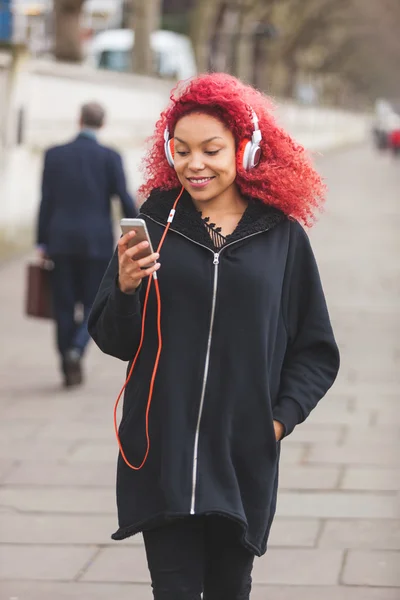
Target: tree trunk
(258,62)
(236,40)
(68,42)
(127,14)
(204,19)
(289,89)
(146,19)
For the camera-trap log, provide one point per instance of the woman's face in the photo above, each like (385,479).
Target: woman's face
(205,156)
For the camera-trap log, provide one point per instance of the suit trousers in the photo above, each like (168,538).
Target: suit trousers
(75,282)
(195,555)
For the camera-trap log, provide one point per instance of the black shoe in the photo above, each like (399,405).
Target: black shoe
(72,368)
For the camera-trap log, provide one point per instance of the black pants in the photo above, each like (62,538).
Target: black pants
(75,281)
(198,554)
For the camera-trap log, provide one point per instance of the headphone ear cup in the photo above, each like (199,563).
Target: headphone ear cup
(170,152)
(243,154)
(255,156)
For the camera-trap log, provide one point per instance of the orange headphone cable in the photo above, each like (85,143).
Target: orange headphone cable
(157,360)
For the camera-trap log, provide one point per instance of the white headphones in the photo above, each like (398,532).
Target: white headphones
(249,150)
(168,147)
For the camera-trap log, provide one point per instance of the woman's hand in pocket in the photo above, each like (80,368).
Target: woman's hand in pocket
(279,430)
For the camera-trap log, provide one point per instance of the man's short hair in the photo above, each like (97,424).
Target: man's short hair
(92,115)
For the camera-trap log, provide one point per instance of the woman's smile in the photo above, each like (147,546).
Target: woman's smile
(200,182)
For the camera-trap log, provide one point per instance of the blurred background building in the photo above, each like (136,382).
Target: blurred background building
(316,51)
(312,50)
(330,64)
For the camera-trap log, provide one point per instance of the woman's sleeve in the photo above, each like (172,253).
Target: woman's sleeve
(115,318)
(312,357)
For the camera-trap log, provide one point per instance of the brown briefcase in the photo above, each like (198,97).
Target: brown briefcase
(38,301)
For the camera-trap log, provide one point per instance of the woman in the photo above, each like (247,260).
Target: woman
(248,348)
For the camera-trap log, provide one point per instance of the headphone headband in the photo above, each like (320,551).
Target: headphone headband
(166,134)
(257,135)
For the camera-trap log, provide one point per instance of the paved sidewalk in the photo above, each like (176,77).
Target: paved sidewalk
(337,534)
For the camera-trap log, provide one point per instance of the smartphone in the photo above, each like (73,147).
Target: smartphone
(142,235)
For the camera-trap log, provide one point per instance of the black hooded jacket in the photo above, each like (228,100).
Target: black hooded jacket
(246,339)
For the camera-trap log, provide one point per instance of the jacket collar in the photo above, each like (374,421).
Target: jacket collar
(87,134)
(258,217)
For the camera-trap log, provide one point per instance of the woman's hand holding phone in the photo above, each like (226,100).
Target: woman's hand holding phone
(131,270)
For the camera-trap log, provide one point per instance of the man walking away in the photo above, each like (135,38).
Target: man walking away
(75,230)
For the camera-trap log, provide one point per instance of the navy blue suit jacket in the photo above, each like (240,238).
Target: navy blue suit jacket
(79,180)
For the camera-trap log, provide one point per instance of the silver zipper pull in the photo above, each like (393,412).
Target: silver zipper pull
(216,258)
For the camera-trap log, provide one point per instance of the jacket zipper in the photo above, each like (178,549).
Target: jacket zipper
(207,360)
(203,389)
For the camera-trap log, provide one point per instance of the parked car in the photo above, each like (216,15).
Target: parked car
(394,141)
(172,52)
(386,121)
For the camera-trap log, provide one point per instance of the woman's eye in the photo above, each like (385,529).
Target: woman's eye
(212,152)
(182,153)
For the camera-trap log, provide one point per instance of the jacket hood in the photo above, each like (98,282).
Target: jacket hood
(258,217)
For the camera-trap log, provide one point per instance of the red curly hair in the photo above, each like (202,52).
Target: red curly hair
(284,178)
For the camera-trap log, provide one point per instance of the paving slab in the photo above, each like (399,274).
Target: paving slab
(295,567)
(309,478)
(294,532)
(38,590)
(37,562)
(354,454)
(365,400)
(320,417)
(13,431)
(378,534)
(319,593)
(35,450)
(388,434)
(71,500)
(331,434)
(380,568)
(75,430)
(49,529)
(6,467)
(50,473)
(299,567)
(371,479)
(338,504)
(388,417)
(33,590)
(104,452)
(53,408)
(118,565)
(329,407)
(293,454)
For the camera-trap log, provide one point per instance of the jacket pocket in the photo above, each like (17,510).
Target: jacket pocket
(134,406)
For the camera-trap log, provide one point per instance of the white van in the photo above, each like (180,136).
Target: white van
(173,52)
